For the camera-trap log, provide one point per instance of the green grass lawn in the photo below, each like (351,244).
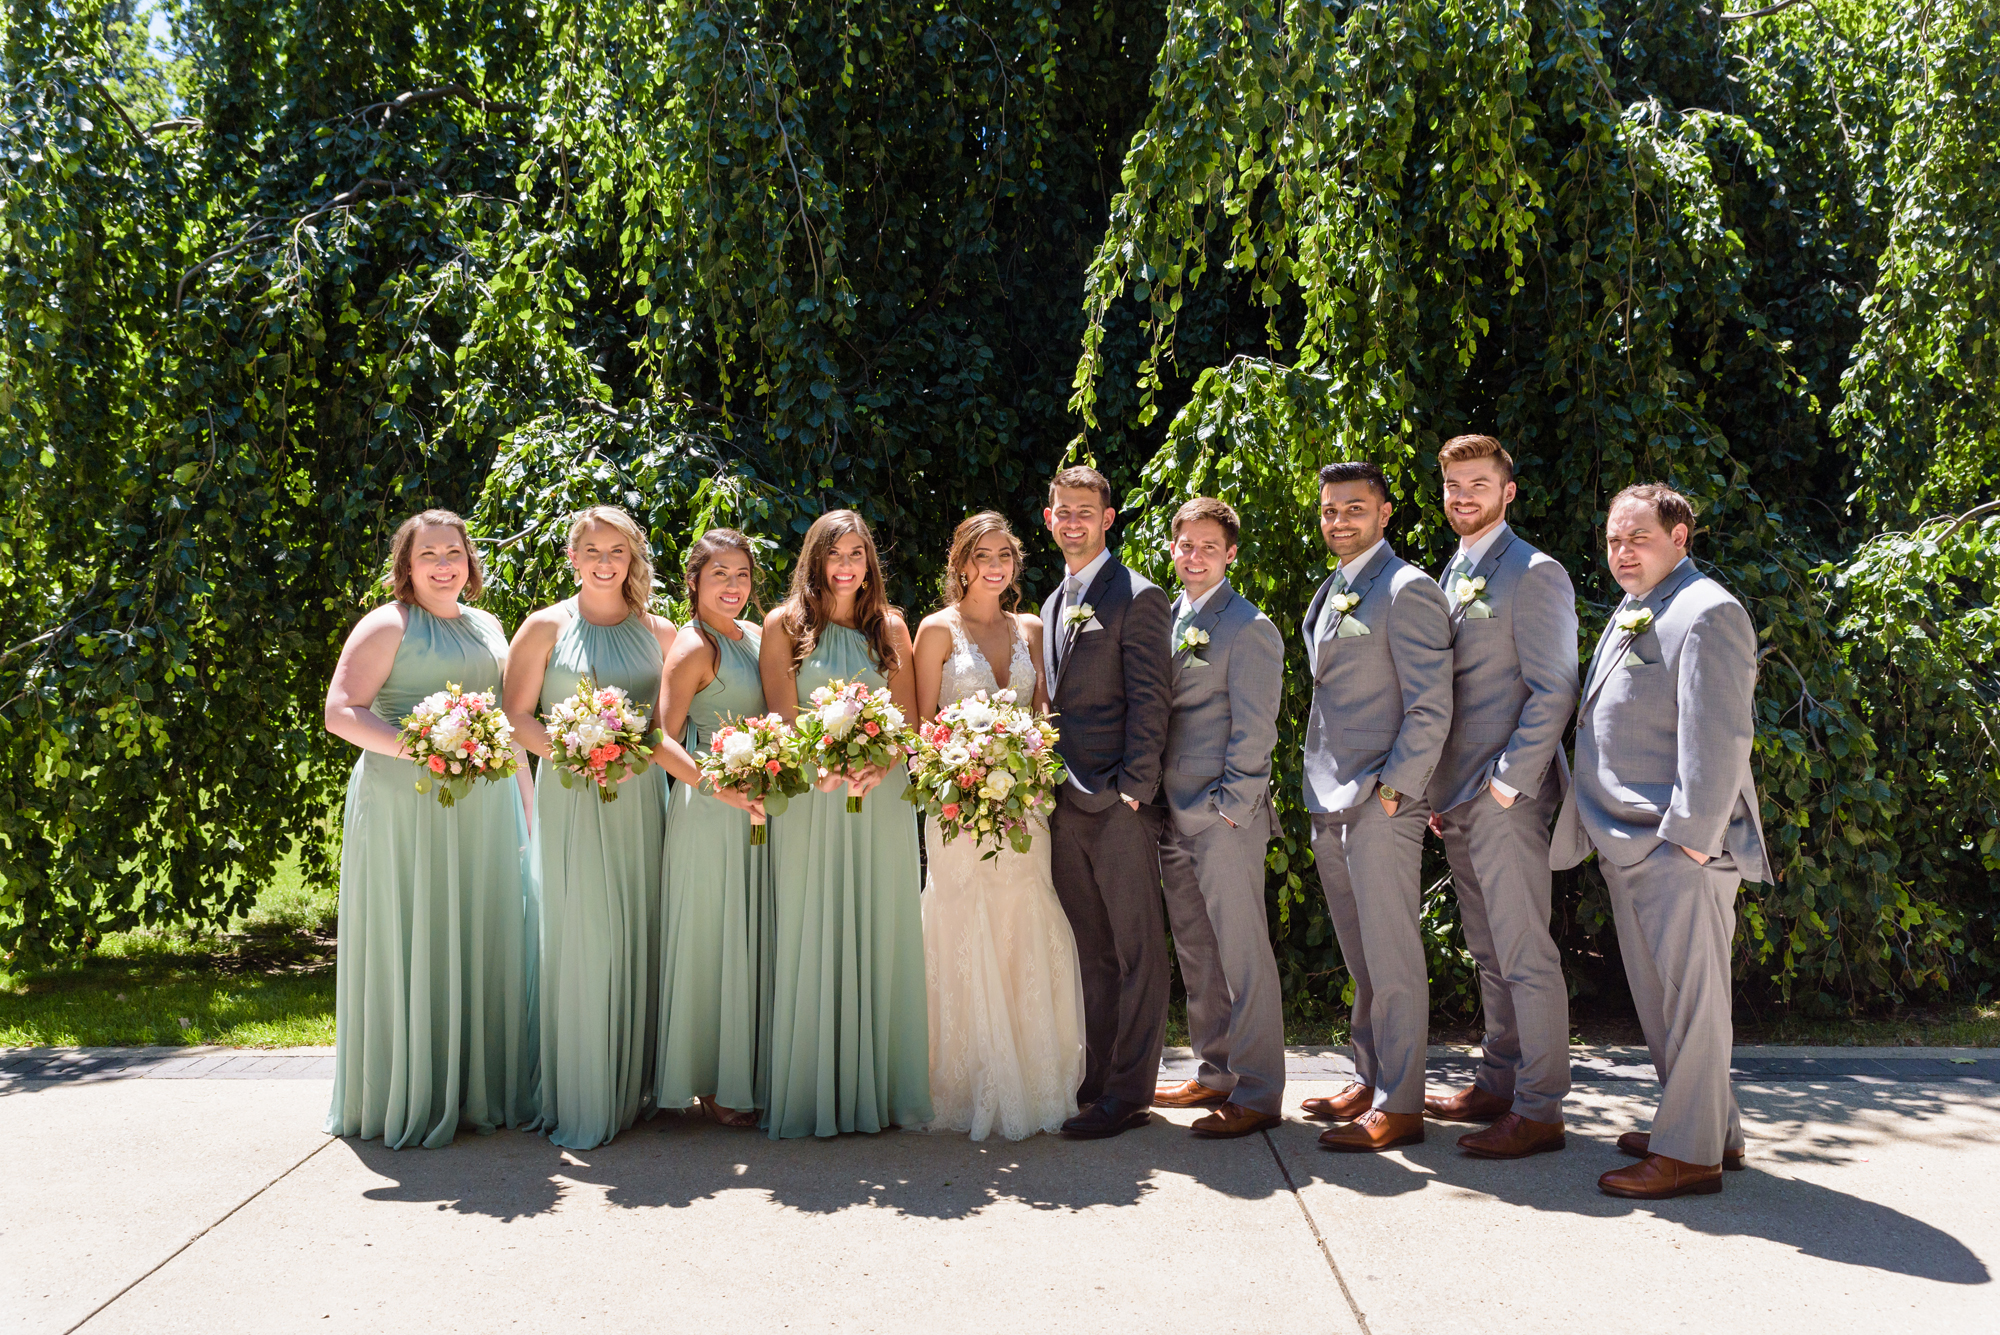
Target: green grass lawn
(267,982)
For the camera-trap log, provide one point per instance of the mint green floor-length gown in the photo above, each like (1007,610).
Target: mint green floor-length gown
(434,1022)
(715,970)
(600,881)
(849,1045)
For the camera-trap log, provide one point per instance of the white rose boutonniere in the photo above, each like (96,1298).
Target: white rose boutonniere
(1634,620)
(1344,603)
(1465,590)
(1192,639)
(1078,615)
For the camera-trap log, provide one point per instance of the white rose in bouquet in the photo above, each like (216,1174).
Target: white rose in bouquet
(837,717)
(892,717)
(998,784)
(738,748)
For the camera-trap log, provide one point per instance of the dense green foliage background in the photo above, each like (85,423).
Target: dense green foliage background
(317,266)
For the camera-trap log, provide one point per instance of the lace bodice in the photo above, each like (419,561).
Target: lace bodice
(966,671)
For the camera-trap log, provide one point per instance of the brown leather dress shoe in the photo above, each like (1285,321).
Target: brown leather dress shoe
(1659,1178)
(1471,1104)
(1232,1120)
(1187,1094)
(1513,1137)
(1345,1106)
(1375,1130)
(1639,1144)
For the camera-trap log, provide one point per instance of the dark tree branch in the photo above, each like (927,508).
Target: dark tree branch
(1759,13)
(352,195)
(418,96)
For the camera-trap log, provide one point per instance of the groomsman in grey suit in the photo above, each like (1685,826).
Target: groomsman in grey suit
(1664,795)
(1378,635)
(1107,661)
(1513,619)
(1228,678)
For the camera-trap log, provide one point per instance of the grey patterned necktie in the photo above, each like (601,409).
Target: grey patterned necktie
(1461,565)
(1063,604)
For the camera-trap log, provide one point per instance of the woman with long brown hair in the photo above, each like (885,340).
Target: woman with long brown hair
(1006,992)
(599,861)
(715,963)
(433,1024)
(849,1041)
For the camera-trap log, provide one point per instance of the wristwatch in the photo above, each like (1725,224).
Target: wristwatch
(1388,793)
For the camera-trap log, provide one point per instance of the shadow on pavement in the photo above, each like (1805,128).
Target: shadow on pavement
(1759,1202)
(678,1159)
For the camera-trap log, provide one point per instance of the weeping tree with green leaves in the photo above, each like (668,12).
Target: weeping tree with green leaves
(711,260)
(1583,230)
(725,262)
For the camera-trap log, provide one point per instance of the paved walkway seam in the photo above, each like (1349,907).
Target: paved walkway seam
(197,1237)
(1359,1318)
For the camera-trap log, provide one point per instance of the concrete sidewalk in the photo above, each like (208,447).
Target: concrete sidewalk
(214,1204)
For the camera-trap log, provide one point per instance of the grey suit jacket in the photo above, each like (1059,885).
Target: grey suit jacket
(1663,747)
(1381,703)
(1113,691)
(1224,724)
(1514,678)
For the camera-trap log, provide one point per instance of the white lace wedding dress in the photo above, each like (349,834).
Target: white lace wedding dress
(1006,996)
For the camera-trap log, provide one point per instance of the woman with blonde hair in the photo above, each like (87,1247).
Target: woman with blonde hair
(599,862)
(1005,989)
(848,1042)
(715,967)
(433,1008)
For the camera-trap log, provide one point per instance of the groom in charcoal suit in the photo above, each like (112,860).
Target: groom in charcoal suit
(1513,620)
(1664,795)
(1106,660)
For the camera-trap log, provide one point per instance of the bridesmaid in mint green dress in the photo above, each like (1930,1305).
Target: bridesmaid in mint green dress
(715,973)
(599,862)
(433,1001)
(849,1046)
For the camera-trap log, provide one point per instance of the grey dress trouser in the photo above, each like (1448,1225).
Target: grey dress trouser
(1676,923)
(1371,869)
(1500,868)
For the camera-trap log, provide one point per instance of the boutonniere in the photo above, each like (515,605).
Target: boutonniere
(1635,620)
(1192,638)
(1344,603)
(1079,614)
(1468,589)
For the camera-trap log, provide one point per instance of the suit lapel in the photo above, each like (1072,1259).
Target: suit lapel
(1204,620)
(1484,570)
(1603,664)
(1359,590)
(1092,595)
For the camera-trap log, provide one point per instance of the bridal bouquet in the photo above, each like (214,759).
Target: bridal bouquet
(598,736)
(850,727)
(983,768)
(456,736)
(758,757)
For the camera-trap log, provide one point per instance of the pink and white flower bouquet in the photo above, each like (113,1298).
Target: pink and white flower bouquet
(598,736)
(457,736)
(757,757)
(986,767)
(851,727)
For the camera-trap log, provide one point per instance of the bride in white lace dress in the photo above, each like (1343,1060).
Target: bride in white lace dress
(1006,996)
